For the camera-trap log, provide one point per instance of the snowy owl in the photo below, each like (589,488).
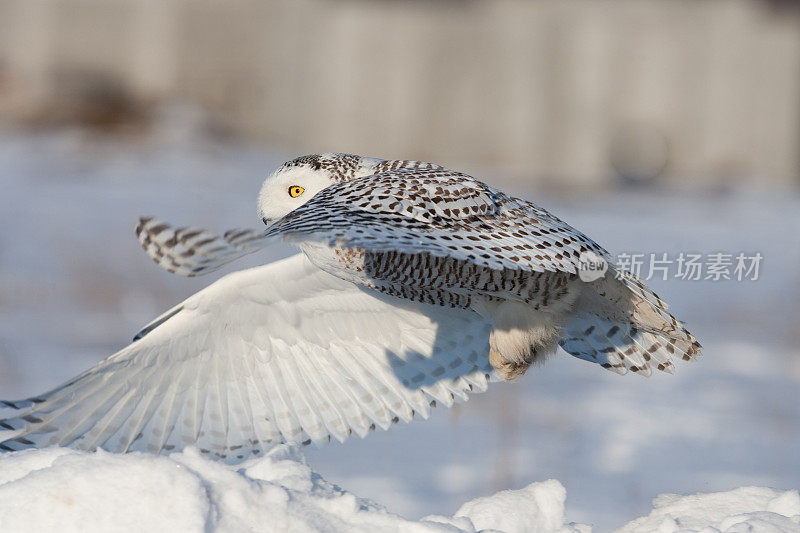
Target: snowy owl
(416,285)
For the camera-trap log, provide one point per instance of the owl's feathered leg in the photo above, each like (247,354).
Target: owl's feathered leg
(512,367)
(507,370)
(520,337)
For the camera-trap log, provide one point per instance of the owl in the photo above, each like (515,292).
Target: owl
(416,285)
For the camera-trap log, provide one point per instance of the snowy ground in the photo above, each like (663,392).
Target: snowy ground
(74,287)
(65,490)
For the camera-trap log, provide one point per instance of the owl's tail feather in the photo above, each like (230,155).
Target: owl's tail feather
(621,347)
(623,326)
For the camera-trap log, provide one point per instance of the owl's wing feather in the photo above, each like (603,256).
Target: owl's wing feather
(279,353)
(437,212)
(193,251)
(413,210)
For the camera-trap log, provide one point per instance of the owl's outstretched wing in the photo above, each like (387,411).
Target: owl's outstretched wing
(441,213)
(192,251)
(279,353)
(417,210)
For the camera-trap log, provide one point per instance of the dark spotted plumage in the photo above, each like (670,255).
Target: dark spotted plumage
(341,168)
(447,281)
(422,232)
(442,213)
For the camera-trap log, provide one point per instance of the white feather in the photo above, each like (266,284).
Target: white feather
(233,371)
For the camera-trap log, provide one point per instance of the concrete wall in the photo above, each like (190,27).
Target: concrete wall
(564,91)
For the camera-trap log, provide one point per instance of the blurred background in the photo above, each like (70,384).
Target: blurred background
(655,126)
(567,93)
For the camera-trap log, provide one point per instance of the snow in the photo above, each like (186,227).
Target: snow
(742,509)
(56,489)
(67,490)
(75,286)
(76,491)
(543,504)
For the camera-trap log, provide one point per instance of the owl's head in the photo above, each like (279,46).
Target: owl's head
(298,180)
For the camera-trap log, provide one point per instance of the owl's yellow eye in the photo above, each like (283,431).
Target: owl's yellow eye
(295,191)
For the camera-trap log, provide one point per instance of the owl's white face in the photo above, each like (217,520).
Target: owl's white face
(288,188)
(297,181)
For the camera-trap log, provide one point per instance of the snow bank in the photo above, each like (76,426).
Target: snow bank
(67,490)
(739,510)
